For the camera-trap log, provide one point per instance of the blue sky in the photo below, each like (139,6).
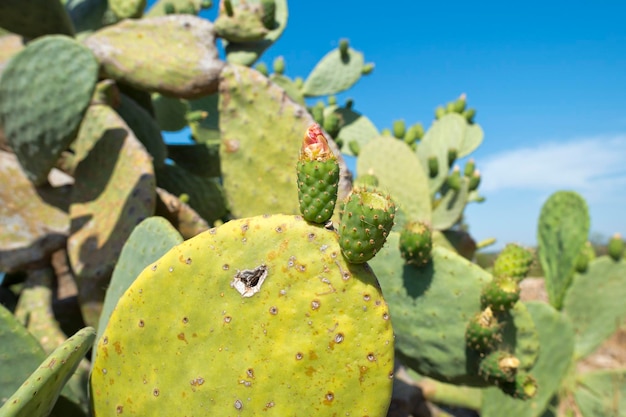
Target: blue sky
(548,80)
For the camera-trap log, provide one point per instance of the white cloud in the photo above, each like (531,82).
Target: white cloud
(595,166)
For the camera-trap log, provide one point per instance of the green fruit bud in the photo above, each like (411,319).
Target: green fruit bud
(454,179)
(450,107)
(399,129)
(386,132)
(470,166)
(433,166)
(332,124)
(452,155)
(410,136)
(419,130)
(416,243)
(228,7)
(279,65)
(474,181)
(367,68)
(206,4)
(343,47)
(586,255)
(616,247)
(469,115)
(523,387)
(459,104)
(499,367)
(262,68)
(196,116)
(483,332)
(440,112)
(318,114)
(513,261)
(354,146)
(500,294)
(349,104)
(298,82)
(269,14)
(184,198)
(332,100)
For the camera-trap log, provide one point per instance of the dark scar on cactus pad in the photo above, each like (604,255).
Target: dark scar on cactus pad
(248,281)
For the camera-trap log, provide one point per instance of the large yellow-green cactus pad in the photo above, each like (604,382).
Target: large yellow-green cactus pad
(260,316)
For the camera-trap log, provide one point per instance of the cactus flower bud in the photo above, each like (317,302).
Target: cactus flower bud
(315,145)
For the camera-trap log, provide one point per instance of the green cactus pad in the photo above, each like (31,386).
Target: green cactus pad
(449,132)
(246,53)
(513,261)
(261,130)
(205,194)
(556,338)
(145,129)
(263,317)
(170,112)
(173,55)
(160,7)
(127,9)
(19,351)
(334,73)
(392,162)
(450,208)
(201,159)
(416,243)
(113,192)
(595,303)
(499,366)
(87,15)
(500,294)
(366,221)
(245,25)
(38,394)
(356,127)
(430,310)
(34,18)
(289,86)
(35,221)
(317,189)
(601,393)
(44,93)
(563,230)
(150,240)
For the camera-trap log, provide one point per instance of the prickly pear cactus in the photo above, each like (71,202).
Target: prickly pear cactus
(513,261)
(44,93)
(263,316)
(38,394)
(562,232)
(34,18)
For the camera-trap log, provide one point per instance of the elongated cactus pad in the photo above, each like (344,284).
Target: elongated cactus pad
(562,232)
(44,93)
(113,192)
(35,221)
(38,394)
(261,137)
(173,55)
(262,317)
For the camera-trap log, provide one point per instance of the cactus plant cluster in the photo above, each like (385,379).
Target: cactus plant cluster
(247,269)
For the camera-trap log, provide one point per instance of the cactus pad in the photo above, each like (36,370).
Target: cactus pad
(356,127)
(113,192)
(173,55)
(35,221)
(170,112)
(127,9)
(44,93)
(261,131)
(263,316)
(38,394)
(336,72)
(562,232)
(34,18)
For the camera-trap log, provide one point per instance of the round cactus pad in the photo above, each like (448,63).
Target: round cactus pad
(261,316)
